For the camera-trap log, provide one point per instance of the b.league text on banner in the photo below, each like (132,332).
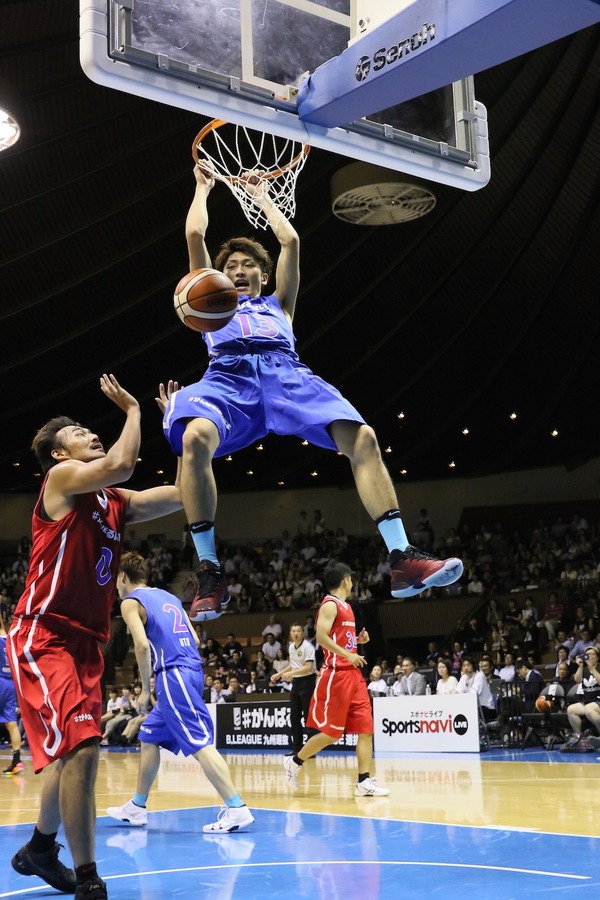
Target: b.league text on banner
(259,725)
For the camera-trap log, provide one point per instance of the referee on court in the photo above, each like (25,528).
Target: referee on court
(301,671)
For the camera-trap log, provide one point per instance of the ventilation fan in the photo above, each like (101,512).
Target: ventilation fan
(363,194)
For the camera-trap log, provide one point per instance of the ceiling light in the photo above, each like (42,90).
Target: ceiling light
(249,472)
(452,465)
(260,447)
(280,483)
(388,450)
(400,415)
(228,458)
(314,474)
(465,431)
(403,472)
(305,443)
(10,130)
(513,415)
(554,433)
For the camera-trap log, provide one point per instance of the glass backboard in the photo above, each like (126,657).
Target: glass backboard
(244,60)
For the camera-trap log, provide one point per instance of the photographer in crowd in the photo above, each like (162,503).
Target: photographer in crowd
(588,676)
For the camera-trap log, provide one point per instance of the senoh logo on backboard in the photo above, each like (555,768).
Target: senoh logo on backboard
(386,55)
(449,725)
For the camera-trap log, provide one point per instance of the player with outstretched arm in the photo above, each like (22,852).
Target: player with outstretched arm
(255,384)
(64,612)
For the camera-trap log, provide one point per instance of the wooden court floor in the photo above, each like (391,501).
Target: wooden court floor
(511,823)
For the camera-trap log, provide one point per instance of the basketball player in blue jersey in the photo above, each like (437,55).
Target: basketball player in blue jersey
(8,706)
(255,384)
(165,641)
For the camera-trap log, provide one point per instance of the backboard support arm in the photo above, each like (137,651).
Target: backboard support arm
(429,44)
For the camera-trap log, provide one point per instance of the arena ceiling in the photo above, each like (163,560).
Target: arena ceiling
(485,308)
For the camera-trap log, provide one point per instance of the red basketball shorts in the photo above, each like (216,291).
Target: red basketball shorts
(340,702)
(57,679)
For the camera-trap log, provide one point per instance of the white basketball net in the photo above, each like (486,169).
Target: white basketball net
(274,163)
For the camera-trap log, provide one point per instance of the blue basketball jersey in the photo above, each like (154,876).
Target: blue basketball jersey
(258,326)
(171,641)
(4,667)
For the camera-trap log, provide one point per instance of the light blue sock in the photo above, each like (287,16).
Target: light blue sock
(140,799)
(392,530)
(203,536)
(235,801)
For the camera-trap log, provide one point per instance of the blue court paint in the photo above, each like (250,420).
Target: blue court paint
(323,857)
(367,854)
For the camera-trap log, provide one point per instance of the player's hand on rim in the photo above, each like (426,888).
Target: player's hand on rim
(256,184)
(204,173)
(113,390)
(165,393)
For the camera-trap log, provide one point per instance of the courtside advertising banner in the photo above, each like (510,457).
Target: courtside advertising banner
(430,723)
(258,726)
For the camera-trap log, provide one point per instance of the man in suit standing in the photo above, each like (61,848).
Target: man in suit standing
(530,683)
(413,682)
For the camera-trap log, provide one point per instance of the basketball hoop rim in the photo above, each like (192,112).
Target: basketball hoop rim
(218,123)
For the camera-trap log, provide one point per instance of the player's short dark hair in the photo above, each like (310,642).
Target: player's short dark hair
(334,574)
(45,441)
(135,567)
(244,245)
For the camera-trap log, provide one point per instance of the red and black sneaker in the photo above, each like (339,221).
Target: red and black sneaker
(413,571)
(211,595)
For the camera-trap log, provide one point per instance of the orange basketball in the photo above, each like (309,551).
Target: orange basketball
(205,300)
(542,704)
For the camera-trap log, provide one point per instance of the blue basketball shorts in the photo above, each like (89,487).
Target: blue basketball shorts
(8,700)
(249,396)
(180,721)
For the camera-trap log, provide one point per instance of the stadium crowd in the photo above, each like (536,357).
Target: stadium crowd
(510,637)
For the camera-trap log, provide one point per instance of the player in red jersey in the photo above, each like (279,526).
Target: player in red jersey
(340,701)
(78,525)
